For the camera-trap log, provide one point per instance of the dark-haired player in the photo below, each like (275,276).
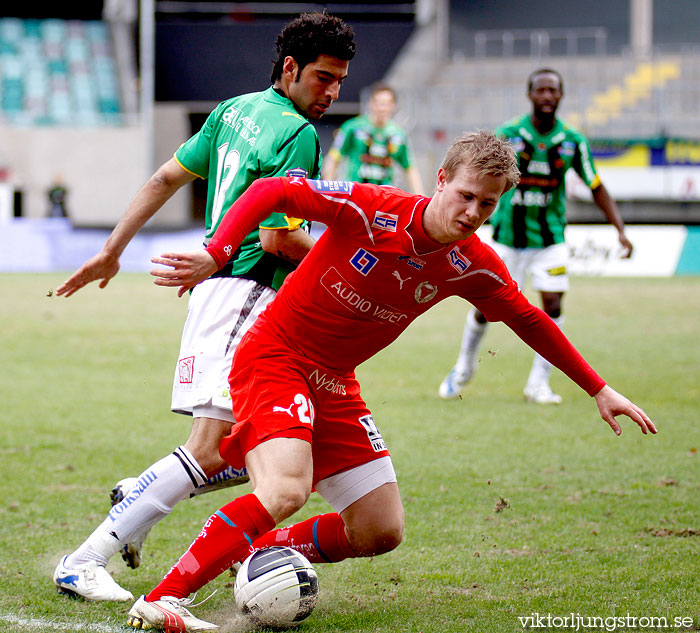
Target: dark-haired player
(245,138)
(528,225)
(386,258)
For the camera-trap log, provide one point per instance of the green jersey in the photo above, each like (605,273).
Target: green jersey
(533,215)
(371,150)
(245,138)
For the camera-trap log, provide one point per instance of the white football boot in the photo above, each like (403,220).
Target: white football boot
(541,394)
(131,552)
(454,382)
(167,613)
(91,581)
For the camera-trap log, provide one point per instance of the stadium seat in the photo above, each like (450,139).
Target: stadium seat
(57,72)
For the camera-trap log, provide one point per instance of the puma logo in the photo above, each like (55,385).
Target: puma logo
(288,410)
(401,281)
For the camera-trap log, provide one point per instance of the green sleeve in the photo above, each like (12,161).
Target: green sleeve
(583,162)
(403,154)
(194,153)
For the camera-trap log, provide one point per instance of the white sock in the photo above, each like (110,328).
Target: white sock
(542,368)
(471,341)
(160,487)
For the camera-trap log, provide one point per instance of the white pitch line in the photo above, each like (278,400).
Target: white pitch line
(39,624)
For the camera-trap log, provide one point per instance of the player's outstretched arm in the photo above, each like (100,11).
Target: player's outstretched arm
(414,180)
(185,269)
(103,266)
(608,206)
(151,197)
(611,404)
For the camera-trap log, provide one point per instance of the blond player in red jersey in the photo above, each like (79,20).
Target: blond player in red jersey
(386,258)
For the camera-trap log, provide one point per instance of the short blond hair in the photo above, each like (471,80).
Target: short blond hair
(485,152)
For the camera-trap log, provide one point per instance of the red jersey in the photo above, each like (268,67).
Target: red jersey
(374,270)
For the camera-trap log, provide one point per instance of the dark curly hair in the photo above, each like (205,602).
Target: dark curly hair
(310,35)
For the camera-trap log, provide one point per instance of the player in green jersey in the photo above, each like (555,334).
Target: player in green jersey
(371,144)
(528,224)
(245,138)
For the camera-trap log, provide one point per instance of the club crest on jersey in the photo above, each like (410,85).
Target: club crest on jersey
(385,221)
(425,292)
(332,186)
(185,368)
(297,172)
(413,262)
(363,261)
(458,261)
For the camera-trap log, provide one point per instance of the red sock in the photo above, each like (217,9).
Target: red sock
(225,539)
(321,539)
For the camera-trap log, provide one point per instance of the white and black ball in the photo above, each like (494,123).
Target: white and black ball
(276,587)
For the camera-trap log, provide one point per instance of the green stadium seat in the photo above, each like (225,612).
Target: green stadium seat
(57,72)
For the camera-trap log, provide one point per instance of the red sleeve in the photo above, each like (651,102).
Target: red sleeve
(243,216)
(504,302)
(534,327)
(294,196)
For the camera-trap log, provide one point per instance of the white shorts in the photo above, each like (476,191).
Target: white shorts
(547,267)
(343,489)
(219,313)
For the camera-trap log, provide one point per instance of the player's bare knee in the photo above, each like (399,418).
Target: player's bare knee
(283,498)
(388,540)
(373,540)
(552,303)
(376,543)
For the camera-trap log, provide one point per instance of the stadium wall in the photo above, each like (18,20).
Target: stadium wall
(102,168)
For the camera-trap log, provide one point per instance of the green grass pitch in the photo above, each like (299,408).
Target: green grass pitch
(512,509)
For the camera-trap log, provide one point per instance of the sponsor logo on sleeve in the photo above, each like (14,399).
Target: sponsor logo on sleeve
(363,261)
(332,186)
(458,261)
(385,221)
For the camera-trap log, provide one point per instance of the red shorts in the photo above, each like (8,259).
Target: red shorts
(277,393)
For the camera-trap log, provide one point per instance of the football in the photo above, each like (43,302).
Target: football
(276,587)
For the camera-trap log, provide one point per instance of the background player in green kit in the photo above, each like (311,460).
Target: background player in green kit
(245,138)
(372,144)
(528,224)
